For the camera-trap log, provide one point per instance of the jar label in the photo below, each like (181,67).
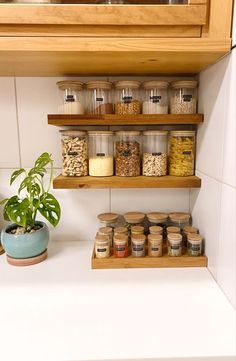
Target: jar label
(126,153)
(155,98)
(156,154)
(175,246)
(100,154)
(101,249)
(195,247)
(155,249)
(99,99)
(187,97)
(187,152)
(72,153)
(120,248)
(70,98)
(137,248)
(127,99)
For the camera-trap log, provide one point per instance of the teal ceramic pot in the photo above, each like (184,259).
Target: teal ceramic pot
(25,245)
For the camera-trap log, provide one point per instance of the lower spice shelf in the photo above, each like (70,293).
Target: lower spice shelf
(62,182)
(148,262)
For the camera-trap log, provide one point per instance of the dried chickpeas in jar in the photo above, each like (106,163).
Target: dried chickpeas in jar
(127,97)
(155,153)
(155,245)
(183,98)
(181,153)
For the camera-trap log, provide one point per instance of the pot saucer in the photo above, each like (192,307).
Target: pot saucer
(27,261)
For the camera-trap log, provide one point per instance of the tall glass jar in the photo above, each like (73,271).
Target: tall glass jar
(183,98)
(127,97)
(72,97)
(155,97)
(101,153)
(74,153)
(155,153)
(182,153)
(108,219)
(99,97)
(134,219)
(128,154)
(180,219)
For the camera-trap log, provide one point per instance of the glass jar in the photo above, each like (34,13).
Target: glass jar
(108,219)
(174,244)
(134,219)
(180,219)
(194,244)
(155,245)
(156,230)
(155,97)
(155,153)
(74,153)
(183,97)
(188,230)
(181,153)
(101,153)
(157,219)
(127,97)
(137,230)
(106,231)
(72,97)
(138,245)
(120,245)
(98,97)
(128,154)
(172,229)
(120,230)
(102,246)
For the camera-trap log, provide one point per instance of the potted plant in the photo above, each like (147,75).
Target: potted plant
(26,240)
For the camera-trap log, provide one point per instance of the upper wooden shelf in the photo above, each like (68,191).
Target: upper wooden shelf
(114,119)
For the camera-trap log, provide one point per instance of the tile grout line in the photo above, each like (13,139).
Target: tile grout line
(17,122)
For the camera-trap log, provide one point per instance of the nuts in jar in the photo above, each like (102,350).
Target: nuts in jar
(128,154)
(154,153)
(155,245)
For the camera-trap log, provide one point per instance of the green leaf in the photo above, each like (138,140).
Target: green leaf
(43,160)
(16,174)
(34,190)
(18,211)
(26,183)
(50,208)
(3,201)
(39,170)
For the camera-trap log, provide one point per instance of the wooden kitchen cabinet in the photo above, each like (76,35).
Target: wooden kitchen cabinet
(44,40)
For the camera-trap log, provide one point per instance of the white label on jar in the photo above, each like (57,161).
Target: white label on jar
(127,99)
(99,99)
(155,98)
(70,98)
(187,97)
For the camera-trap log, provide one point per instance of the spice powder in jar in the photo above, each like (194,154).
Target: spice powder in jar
(121,245)
(174,244)
(138,245)
(155,245)
(194,244)
(102,246)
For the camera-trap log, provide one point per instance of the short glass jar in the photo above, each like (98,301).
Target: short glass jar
(102,246)
(188,230)
(157,219)
(127,97)
(74,153)
(106,231)
(138,245)
(137,230)
(120,230)
(156,230)
(108,219)
(98,97)
(155,245)
(134,219)
(194,244)
(174,244)
(155,153)
(181,153)
(155,97)
(180,219)
(72,97)
(101,153)
(172,229)
(120,242)
(183,98)
(128,154)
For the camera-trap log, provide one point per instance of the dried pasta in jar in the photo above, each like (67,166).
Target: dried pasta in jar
(181,153)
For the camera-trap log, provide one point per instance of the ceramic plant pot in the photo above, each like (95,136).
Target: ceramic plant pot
(26,245)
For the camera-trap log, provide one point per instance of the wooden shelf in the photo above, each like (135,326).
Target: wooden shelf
(148,262)
(62,182)
(113,119)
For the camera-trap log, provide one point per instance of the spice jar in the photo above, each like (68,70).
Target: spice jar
(138,245)
(155,153)
(127,153)
(72,97)
(127,97)
(155,245)
(102,246)
(157,219)
(100,153)
(108,219)
(120,230)
(155,97)
(181,153)
(137,230)
(172,229)
(106,231)
(174,244)
(180,219)
(98,97)
(134,219)
(156,230)
(120,245)
(188,230)
(74,153)
(194,244)
(183,98)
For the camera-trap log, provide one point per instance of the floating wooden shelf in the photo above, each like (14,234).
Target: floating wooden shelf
(148,262)
(114,119)
(62,182)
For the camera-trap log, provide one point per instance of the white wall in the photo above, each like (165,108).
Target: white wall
(214,206)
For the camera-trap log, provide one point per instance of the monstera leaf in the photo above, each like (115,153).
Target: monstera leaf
(18,211)
(50,208)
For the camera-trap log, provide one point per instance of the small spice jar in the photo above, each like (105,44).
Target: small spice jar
(134,219)
(156,230)
(102,246)
(74,153)
(106,231)
(188,230)
(157,219)
(180,219)
(138,245)
(128,154)
(120,245)
(181,153)
(155,153)
(155,97)
(100,153)
(72,97)
(108,219)
(120,230)
(98,97)
(155,245)
(174,244)
(137,230)
(183,98)
(194,244)
(127,97)
(172,229)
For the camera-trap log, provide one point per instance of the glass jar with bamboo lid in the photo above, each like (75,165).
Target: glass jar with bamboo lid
(155,244)
(98,97)
(127,97)
(108,219)
(155,97)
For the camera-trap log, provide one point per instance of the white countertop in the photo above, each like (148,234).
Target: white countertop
(62,310)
